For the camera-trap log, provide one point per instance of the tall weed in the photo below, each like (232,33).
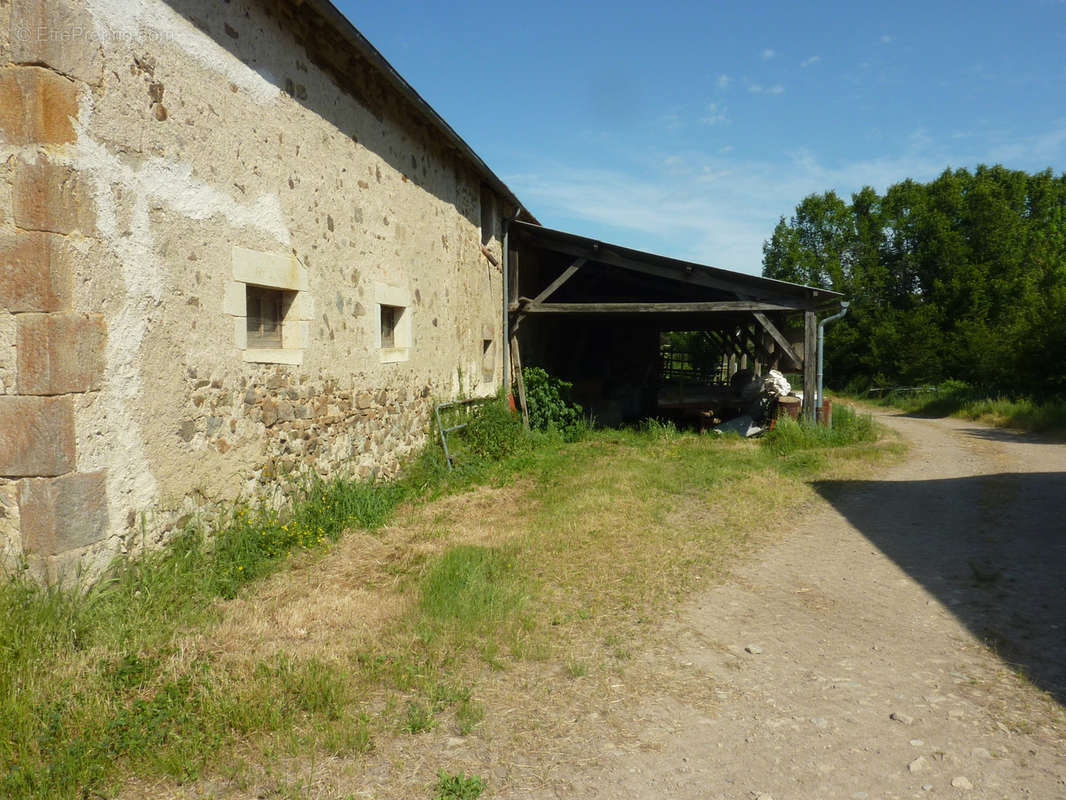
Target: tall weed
(849,427)
(495,432)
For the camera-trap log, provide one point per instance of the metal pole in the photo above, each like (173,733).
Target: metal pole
(821,342)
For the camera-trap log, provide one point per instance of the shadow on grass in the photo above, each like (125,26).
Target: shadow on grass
(991,548)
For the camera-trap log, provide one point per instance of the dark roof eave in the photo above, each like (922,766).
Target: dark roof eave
(821,297)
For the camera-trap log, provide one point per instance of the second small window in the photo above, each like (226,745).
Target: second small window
(390,320)
(265,309)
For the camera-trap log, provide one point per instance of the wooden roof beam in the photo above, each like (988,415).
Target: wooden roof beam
(528,306)
(691,275)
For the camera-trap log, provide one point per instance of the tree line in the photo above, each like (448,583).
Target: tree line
(963,277)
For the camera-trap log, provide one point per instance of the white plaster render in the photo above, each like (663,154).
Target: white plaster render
(153,21)
(131,484)
(360,197)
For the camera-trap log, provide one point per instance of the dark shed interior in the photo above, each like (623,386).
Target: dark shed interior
(597,315)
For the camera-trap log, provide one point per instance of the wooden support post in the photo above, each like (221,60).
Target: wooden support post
(519,382)
(750,339)
(756,352)
(810,364)
(510,293)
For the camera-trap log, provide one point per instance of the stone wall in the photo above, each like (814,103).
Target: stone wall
(156,159)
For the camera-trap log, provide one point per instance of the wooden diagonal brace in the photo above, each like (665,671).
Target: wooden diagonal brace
(778,338)
(568,273)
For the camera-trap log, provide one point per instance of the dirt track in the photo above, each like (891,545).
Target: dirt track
(906,640)
(925,595)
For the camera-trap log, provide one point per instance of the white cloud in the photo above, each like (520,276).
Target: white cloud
(758,88)
(716,208)
(887,39)
(1046,147)
(723,81)
(673,122)
(767,54)
(691,207)
(716,115)
(708,174)
(919,139)
(807,62)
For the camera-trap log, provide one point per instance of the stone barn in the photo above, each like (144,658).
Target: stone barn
(234,243)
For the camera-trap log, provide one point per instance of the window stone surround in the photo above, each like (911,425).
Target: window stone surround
(274,271)
(398,297)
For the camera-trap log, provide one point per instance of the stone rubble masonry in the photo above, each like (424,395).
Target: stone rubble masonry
(36,436)
(59,353)
(35,273)
(51,197)
(62,514)
(250,425)
(36,106)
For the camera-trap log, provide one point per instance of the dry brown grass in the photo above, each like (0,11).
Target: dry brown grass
(606,551)
(331,604)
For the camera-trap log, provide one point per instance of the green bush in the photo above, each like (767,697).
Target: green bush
(494,432)
(549,403)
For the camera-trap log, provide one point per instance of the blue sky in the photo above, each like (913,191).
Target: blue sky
(689,129)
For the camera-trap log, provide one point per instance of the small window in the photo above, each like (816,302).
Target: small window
(394,323)
(390,319)
(265,309)
(270,307)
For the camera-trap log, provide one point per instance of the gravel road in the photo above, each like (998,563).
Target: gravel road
(907,641)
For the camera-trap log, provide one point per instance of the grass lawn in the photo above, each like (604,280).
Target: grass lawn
(368,612)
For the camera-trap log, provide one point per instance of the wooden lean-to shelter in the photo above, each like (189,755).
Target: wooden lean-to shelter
(595,314)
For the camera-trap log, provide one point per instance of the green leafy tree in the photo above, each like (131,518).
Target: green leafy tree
(962,277)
